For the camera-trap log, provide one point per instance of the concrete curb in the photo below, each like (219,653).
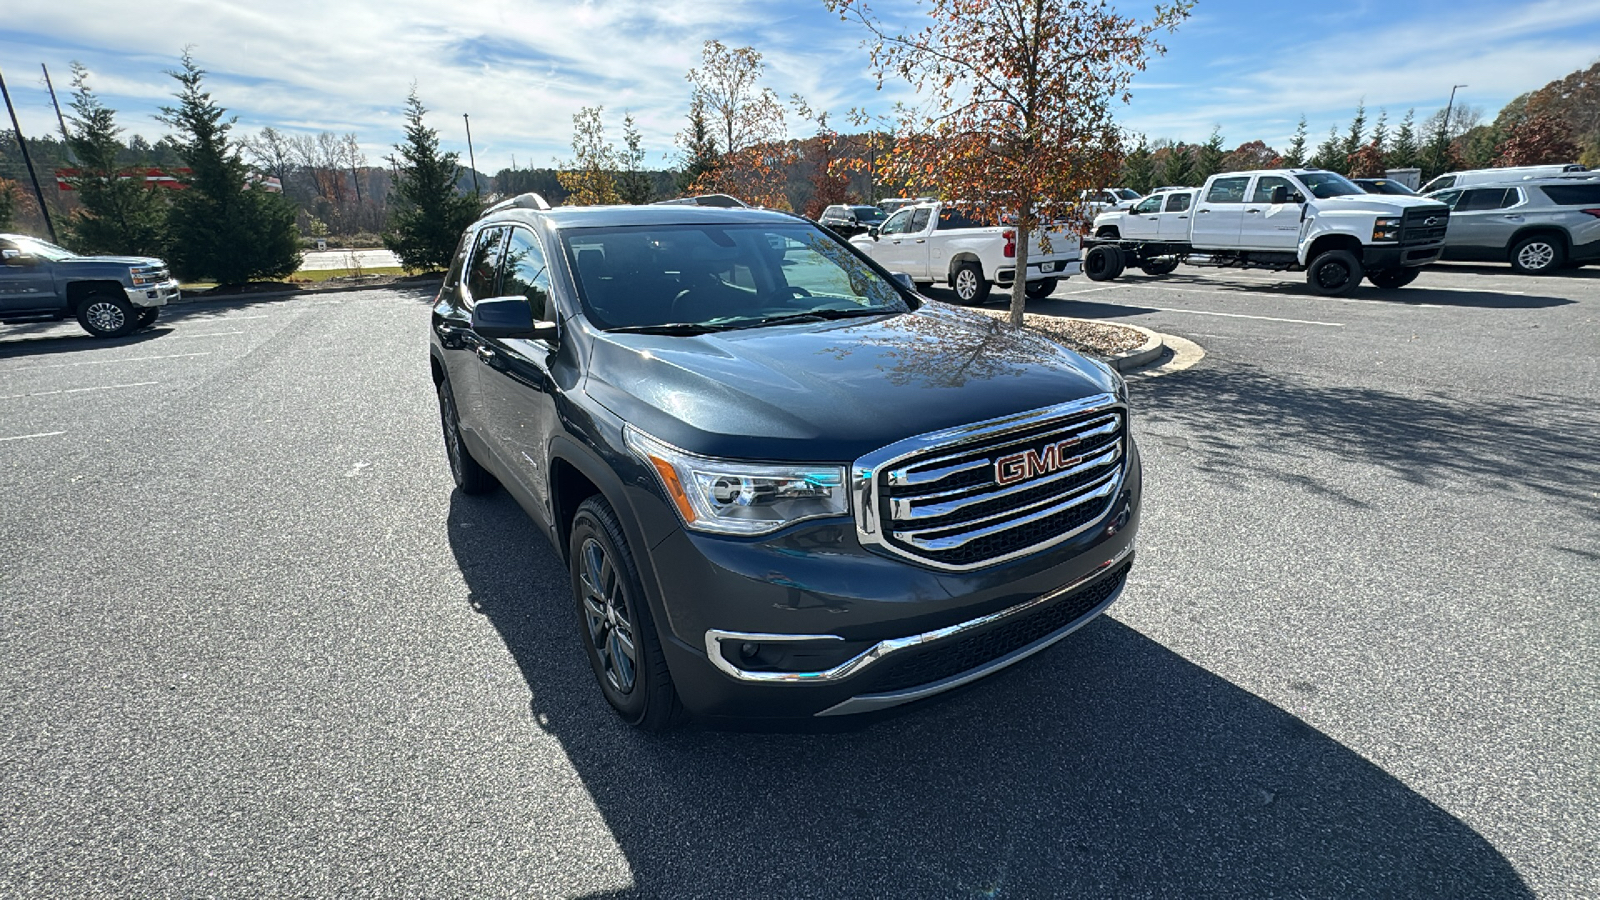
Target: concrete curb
(1147,352)
(187,299)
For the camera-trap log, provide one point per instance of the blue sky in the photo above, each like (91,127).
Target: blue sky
(521,68)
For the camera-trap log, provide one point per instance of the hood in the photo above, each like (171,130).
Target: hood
(830,392)
(1380,204)
(113,261)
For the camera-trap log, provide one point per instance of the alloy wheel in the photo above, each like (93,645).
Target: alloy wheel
(1536,255)
(452,431)
(605,615)
(105,316)
(966,284)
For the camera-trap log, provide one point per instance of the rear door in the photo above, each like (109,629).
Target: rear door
(1219,215)
(1266,225)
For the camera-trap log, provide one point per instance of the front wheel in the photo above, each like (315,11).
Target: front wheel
(1538,255)
(1038,290)
(1334,273)
(104,314)
(614,621)
(148,316)
(1388,279)
(1158,267)
(970,287)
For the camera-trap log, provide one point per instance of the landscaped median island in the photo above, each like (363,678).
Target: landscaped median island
(1101,339)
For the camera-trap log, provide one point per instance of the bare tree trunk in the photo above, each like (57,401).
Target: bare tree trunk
(1019,285)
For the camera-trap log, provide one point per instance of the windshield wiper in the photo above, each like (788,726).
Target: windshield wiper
(681,328)
(815,315)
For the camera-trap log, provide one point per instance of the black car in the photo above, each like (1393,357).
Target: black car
(784,484)
(849,221)
(1383,186)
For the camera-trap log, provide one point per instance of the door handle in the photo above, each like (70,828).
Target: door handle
(1514,218)
(1203,211)
(486,353)
(1252,211)
(922,240)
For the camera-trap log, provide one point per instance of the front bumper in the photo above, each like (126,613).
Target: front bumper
(1375,257)
(152,295)
(810,623)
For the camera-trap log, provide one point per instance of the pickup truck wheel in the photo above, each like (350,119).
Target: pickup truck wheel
(469,475)
(614,621)
(104,314)
(970,286)
(1038,290)
(1334,273)
(1159,267)
(1388,279)
(148,316)
(1103,263)
(1538,255)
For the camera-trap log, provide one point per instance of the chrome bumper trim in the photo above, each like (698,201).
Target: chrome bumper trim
(151,295)
(853,665)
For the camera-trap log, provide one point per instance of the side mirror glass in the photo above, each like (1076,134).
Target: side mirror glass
(509,317)
(1297,197)
(1280,195)
(873,231)
(904,281)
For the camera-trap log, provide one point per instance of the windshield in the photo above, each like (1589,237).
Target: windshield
(1328,184)
(42,249)
(1126,193)
(720,276)
(868,213)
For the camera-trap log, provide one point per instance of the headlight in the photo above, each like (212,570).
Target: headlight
(1386,229)
(725,497)
(144,276)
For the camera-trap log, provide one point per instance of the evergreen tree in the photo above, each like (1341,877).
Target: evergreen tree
(1357,135)
(1330,153)
(429,214)
(1208,158)
(219,227)
(1380,132)
(120,216)
(1178,170)
(9,191)
(1403,155)
(634,185)
(1139,168)
(700,155)
(1295,156)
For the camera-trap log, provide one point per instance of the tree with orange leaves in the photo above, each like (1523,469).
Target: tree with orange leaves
(1019,100)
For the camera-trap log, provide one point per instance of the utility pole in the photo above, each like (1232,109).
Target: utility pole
(471,158)
(57,104)
(28,161)
(1449,107)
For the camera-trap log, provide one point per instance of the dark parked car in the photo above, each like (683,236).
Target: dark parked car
(849,221)
(109,295)
(1383,186)
(784,484)
(1538,225)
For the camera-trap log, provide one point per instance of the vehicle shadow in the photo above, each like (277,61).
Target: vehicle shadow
(1505,269)
(1412,294)
(1107,766)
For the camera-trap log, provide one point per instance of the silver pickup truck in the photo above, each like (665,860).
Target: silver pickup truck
(110,295)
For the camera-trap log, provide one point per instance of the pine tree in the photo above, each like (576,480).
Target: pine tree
(1138,168)
(700,155)
(1330,153)
(1357,135)
(1295,156)
(120,216)
(1380,132)
(1208,159)
(220,228)
(1404,153)
(1178,170)
(429,214)
(9,192)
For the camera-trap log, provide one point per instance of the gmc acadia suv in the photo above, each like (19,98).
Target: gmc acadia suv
(783,482)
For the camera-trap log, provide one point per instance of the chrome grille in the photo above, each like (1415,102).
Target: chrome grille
(985,493)
(1415,228)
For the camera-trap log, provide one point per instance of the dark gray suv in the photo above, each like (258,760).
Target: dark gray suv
(1537,225)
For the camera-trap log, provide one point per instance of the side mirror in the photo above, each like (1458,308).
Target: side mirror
(904,281)
(1297,197)
(509,317)
(18,258)
(872,231)
(1280,195)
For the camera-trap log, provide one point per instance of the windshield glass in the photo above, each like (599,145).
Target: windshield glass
(1126,193)
(42,249)
(1328,184)
(868,213)
(720,276)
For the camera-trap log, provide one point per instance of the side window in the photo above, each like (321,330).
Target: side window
(1149,205)
(524,272)
(1264,186)
(1228,190)
(1178,202)
(897,222)
(919,220)
(1439,184)
(484,265)
(1448,198)
(833,212)
(1512,198)
(1480,199)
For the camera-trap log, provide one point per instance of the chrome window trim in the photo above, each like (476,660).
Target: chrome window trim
(855,664)
(864,487)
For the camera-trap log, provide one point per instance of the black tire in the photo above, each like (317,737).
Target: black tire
(614,617)
(1159,267)
(1109,231)
(1334,273)
(470,476)
(1103,262)
(104,314)
(148,316)
(968,284)
(1038,290)
(1389,279)
(1538,255)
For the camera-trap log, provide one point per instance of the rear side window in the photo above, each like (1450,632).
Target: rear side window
(1572,194)
(1479,199)
(950,217)
(1178,202)
(484,267)
(1227,190)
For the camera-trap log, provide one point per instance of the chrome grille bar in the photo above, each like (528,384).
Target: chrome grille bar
(903,508)
(1106,486)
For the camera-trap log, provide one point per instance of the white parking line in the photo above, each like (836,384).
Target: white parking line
(1257,294)
(1197,312)
(207,334)
(104,361)
(108,387)
(24,437)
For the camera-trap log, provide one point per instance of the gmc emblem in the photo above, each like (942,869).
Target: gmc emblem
(1033,463)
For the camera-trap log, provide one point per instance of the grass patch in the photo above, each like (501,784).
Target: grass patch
(320,275)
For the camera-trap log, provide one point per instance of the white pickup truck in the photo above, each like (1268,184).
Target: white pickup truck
(939,242)
(1281,219)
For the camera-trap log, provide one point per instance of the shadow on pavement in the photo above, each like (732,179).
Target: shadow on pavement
(1505,269)
(1547,445)
(1293,285)
(1105,767)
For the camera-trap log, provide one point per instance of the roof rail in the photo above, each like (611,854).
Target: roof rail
(529,200)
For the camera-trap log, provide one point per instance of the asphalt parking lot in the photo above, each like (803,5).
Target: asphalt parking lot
(254,645)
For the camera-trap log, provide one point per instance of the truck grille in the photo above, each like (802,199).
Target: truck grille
(986,493)
(1414,228)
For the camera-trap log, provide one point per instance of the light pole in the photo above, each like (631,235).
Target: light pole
(27,160)
(471,158)
(1450,107)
